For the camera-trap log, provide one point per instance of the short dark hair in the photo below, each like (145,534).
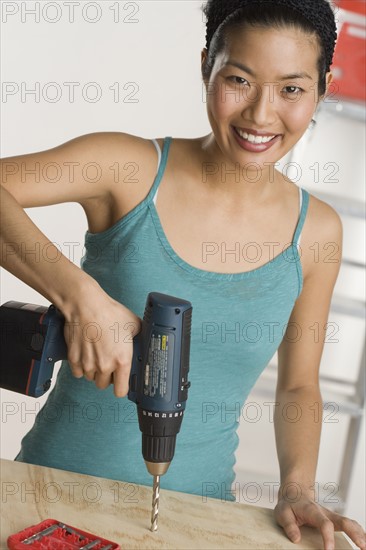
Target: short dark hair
(267,15)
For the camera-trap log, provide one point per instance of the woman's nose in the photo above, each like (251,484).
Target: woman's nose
(260,106)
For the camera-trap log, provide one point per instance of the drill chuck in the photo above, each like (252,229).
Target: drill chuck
(158,438)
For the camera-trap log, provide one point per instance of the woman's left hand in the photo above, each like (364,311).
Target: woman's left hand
(305,511)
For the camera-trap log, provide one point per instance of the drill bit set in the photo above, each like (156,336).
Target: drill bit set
(55,535)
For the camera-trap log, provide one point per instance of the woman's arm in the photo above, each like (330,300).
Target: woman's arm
(27,182)
(44,178)
(299,357)
(298,415)
(22,254)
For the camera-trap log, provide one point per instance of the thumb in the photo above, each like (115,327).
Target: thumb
(287,520)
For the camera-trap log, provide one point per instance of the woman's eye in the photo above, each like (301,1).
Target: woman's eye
(236,78)
(290,90)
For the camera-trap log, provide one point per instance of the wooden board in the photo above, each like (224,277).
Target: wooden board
(121,512)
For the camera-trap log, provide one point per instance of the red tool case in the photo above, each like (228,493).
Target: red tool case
(64,537)
(350,53)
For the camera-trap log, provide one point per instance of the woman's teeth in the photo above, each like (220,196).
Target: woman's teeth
(254,139)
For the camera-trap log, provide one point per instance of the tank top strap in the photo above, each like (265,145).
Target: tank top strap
(162,159)
(304,203)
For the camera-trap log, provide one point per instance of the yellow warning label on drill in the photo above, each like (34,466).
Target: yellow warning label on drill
(159,366)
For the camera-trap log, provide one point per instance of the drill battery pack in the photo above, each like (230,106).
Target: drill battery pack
(51,534)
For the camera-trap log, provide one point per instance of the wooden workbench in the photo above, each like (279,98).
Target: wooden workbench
(121,512)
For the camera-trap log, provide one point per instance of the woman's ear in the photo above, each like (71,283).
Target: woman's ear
(329,77)
(203,61)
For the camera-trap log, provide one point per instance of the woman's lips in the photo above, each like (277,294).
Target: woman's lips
(255,147)
(255,132)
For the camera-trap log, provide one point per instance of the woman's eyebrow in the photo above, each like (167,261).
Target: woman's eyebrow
(283,77)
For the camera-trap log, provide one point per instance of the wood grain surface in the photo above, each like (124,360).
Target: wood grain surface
(121,512)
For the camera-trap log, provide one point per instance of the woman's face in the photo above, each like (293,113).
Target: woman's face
(265,82)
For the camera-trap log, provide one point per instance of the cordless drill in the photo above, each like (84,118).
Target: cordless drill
(32,340)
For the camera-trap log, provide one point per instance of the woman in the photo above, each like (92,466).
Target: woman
(265,68)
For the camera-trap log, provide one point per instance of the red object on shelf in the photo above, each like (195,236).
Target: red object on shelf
(349,63)
(59,539)
(349,60)
(355,6)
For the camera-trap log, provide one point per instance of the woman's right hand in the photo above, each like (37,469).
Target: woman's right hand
(99,335)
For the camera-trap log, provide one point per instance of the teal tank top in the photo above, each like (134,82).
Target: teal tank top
(238,322)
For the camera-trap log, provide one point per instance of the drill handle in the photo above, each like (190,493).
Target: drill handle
(32,341)
(55,347)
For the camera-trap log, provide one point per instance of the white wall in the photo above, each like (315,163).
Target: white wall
(158,59)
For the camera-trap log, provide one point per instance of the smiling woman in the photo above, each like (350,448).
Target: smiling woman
(282,63)
(265,68)
(276,101)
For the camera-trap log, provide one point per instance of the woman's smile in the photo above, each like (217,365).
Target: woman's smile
(255,143)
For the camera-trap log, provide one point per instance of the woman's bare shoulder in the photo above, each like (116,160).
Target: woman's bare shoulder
(322,239)
(131,162)
(324,220)
(122,146)
(322,232)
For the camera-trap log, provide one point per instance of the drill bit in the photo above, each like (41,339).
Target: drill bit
(155,504)
(40,534)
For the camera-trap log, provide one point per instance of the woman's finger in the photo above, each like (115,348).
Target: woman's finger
(287,520)
(75,365)
(354,531)
(103,380)
(121,378)
(89,372)
(76,370)
(326,528)
(312,514)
